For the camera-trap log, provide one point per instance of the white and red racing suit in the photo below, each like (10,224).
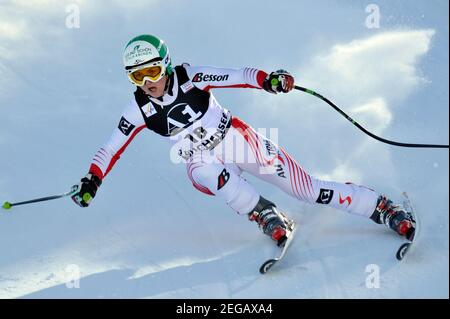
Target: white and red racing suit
(217,147)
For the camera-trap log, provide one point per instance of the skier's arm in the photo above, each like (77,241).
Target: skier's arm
(130,124)
(207,77)
(107,156)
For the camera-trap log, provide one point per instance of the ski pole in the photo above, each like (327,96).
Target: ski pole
(8,205)
(362,128)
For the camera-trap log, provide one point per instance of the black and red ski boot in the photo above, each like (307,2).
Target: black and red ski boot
(272,222)
(394,217)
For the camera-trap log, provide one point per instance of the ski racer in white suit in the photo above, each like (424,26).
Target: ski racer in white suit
(217,147)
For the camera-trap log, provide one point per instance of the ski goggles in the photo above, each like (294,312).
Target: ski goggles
(152,72)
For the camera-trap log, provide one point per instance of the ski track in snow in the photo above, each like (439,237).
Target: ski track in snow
(326,260)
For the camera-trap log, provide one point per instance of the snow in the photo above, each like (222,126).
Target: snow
(149,233)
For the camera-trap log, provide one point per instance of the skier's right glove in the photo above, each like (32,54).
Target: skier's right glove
(86,190)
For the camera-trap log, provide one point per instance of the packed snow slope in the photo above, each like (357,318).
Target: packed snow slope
(149,233)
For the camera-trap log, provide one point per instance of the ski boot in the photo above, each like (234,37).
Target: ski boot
(394,217)
(272,222)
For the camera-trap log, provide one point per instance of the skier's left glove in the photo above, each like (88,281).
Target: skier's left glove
(278,81)
(86,190)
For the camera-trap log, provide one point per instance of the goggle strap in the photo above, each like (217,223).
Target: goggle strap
(143,63)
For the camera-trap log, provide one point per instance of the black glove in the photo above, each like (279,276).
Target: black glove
(278,81)
(86,190)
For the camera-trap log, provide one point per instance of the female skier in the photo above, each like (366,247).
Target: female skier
(217,147)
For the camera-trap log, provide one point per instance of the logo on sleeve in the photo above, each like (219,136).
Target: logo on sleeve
(325,196)
(125,127)
(199,77)
(347,199)
(223,179)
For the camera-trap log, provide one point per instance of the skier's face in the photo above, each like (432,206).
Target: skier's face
(155,89)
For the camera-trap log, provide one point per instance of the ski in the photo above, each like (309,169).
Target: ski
(406,247)
(268,264)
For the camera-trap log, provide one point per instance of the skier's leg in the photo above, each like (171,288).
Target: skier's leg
(273,164)
(212,177)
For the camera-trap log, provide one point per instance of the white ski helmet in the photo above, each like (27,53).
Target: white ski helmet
(144,51)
